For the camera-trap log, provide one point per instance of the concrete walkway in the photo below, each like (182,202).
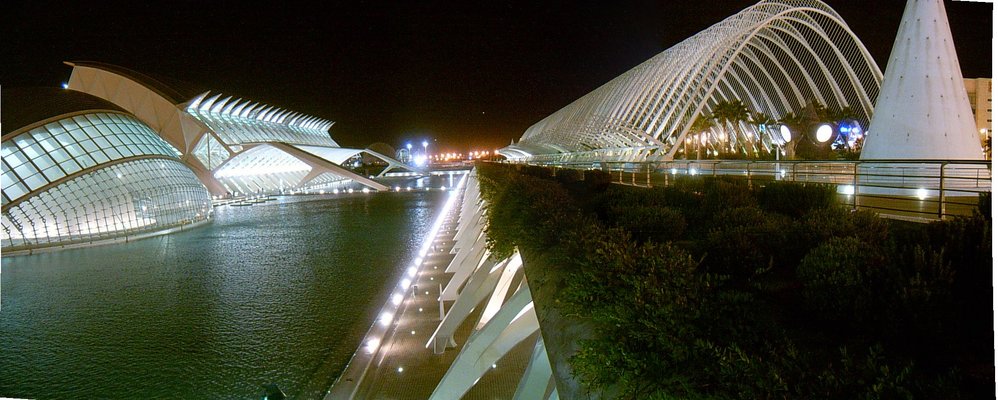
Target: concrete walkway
(401,367)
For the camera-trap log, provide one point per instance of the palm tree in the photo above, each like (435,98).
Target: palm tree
(731,112)
(798,124)
(701,124)
(760,120)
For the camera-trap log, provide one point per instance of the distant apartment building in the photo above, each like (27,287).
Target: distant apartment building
(979,92)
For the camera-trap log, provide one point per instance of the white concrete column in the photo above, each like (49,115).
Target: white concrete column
(514,322)
(537,381)
(482,282)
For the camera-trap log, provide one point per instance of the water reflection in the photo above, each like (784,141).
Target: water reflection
(280,292)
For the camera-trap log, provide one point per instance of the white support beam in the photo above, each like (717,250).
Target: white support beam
(481,284)
(538,379)
(515,322)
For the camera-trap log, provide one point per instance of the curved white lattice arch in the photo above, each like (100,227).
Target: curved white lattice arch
(775,57)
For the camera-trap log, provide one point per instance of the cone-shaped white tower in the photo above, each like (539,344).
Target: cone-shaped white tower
(923,111)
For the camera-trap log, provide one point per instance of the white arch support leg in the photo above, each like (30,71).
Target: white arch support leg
(482,282)
(537,381)
(515,322)
(506,280)
(479,255)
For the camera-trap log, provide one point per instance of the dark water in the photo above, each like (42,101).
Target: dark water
(277,293)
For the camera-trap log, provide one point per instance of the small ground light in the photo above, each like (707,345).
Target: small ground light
(401,369)
(372,345)
(420,309)
(412,332)
(493,366)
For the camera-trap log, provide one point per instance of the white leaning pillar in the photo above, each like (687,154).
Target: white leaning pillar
(515,322)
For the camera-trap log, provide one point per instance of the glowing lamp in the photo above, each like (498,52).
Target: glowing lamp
(823,133)
(785,133)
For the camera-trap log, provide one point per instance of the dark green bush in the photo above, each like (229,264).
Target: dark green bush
(842,280)
(660,224)
(568,175)
(597,180)
(795,199)
(785,295)
(984,204)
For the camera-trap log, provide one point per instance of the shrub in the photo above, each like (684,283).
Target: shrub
(596,180)
(744,241)
(649,222)
(984,205)
(795,199)
(567,175)
(841,280)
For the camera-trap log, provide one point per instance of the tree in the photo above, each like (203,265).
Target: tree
(701,124)
(729,114)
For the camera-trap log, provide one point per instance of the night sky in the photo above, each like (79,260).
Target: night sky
(466,75)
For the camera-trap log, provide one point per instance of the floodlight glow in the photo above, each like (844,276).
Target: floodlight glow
(336,191)
(420,160)
(366,190)
(386,318)
(823,133)
(65,85)
(785,133)
(921,193)
(405,283)
(323,191)
(350,190)
(372,345)
(397,298)
(693,171)
(673,171)
(411,271)
(848,190)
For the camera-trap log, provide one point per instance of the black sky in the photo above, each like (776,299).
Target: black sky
(464,74)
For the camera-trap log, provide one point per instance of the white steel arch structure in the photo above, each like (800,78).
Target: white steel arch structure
(235,146)
(775,56)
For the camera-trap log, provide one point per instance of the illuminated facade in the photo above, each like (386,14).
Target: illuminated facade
(80,170)
(923,111)
(776,57)
(235,146)
(979,94)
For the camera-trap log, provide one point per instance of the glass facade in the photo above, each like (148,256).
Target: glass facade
(260,170)
(55,150)
(210,152)
(92,177)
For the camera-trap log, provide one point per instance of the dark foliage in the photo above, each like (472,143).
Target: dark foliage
(711,288)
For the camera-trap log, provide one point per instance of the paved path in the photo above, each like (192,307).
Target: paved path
(402,367)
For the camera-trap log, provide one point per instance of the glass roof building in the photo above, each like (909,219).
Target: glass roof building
(78,170)
(235,146)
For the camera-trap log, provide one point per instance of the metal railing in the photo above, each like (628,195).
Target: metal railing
(912,189)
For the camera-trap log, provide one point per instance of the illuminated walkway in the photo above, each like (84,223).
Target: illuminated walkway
(395,360)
